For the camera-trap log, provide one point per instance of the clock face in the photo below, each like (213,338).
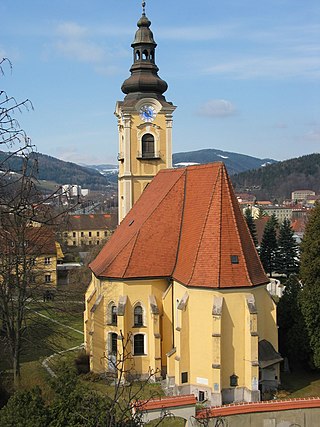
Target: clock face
(147,113)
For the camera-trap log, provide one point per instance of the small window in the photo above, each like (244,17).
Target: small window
(47,260)
(74,234)
(32,278)
(47,278)
(184,377)
(65,234)
(82,234)
(138,316)
(98,233)
(138,344)
(82,242)
(114,317)
(233,380)
(234,259)
(74,243)
(90,234)
(201,396)
(105,234)
(98,242)
(147,146)
(90,243)
(114,343)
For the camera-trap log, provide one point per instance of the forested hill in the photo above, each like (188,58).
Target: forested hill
(52,169)
(235,162)
(277,181)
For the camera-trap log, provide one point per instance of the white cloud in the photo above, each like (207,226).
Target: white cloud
(268,52)
(313,135)
(74,43)
(217,108)
(71,30)
(80,50)
(268,67)
(197,33)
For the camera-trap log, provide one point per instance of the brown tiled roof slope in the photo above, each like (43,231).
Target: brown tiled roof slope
(185,226)
(35,241)
(92,222)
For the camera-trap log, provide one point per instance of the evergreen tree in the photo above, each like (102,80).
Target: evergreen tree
(293,337)
(261,212)
(287,259)
(269,246)
(25,409)
(251,225)
(310,277)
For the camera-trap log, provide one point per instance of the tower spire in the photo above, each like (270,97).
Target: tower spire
(144,77)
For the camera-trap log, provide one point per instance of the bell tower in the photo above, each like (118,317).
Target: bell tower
(144,121)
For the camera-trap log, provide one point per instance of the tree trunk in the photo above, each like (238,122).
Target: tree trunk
(16,368)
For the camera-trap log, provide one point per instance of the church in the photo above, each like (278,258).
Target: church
(180,277)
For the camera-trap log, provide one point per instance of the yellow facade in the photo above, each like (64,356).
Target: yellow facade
(45,270)
(86,237)
(197,338)
(137,168)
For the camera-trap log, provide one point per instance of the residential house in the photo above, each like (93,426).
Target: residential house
(32,251)
(301,195)
(280,212)
(86,230)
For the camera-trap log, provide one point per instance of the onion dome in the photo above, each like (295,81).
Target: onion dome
(144,71)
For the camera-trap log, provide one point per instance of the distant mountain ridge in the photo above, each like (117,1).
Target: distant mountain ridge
(235,162)
(59,171)
(265,177)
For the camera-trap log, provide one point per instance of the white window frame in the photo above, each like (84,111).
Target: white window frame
(145,344)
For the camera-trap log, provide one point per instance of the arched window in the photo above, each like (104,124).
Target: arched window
(112,312)
(138,344)
(145,54)
(137,55)
(138,316)
(113,344)
(114,319)
(148,145)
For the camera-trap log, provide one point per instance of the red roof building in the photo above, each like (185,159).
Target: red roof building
(186,226)
(181,283)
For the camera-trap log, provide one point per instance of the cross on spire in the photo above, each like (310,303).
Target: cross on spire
(144,8)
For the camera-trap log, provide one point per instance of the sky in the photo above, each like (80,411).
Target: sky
(244,74)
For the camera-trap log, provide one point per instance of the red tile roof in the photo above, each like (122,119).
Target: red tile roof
(253,407)
(166,402)
(92,222)
(298,225)
(185,226)
(33,241)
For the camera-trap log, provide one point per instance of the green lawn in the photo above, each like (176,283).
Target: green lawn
(44,338)
(301,383)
